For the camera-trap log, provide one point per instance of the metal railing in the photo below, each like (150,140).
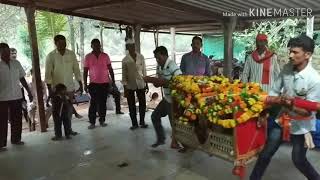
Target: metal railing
(151,68)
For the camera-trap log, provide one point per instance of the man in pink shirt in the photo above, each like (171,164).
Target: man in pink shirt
(99,66)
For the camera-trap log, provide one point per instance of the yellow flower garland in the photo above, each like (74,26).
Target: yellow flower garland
(216,98)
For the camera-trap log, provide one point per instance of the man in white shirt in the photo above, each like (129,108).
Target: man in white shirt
(11,75)
(133,71)
(297,79)
(13,56)
(166,70)
(61,66)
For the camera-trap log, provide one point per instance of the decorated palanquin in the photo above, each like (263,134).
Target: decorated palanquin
(219,117)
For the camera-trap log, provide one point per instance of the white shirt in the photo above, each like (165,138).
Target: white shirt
(60,69)
(304,84)
(133,72)
(252,71)
(169,70)
(10,80)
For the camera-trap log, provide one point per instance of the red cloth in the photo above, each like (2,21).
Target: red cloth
(249,137)
(284,121)
(308,105)
(266,60)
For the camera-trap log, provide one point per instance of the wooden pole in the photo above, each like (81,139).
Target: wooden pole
(30,11)
(137,30)
(156,37)
(310,28)
(173,50)
(228,26)
(101,34)
(71,28)
(82,43)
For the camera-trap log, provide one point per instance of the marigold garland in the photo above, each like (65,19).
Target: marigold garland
(220,101)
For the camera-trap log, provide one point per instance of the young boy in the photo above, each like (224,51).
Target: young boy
(61,110)
(167,69)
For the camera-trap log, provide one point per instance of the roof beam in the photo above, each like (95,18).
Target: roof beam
(178,6)
(97,4)
(182,23)
(13,3)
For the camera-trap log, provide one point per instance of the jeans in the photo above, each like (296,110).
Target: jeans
(163,109)
(298,155)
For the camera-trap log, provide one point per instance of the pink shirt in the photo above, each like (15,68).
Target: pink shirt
(98,67)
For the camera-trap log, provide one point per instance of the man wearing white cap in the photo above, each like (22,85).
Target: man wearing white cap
(133,71)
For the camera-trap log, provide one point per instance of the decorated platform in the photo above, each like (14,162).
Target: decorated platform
(219,117)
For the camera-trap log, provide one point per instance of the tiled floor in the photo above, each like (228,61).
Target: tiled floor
(96,154)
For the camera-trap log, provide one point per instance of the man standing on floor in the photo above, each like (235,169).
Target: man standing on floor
(195,63)
(99,66)
(11,75)
(13,56)
(61,66)
(297,79)
(262,67)
(133,71)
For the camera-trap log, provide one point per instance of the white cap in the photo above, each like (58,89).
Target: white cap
(129,41)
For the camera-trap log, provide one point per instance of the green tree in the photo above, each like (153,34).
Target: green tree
(24,38)
(23,35)
(50,24)
(279,33)
(10,17)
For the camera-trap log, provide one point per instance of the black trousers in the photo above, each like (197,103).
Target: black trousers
(10,111)
(132,105)
(98,102)
(24,106)
(116,95)
(65,120)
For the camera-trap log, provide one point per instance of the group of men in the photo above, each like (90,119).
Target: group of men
(296,79)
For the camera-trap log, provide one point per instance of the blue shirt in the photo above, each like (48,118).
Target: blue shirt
(196,64)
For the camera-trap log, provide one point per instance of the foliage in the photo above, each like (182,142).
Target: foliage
(279,33)
(9,22)
(25,45)
(24,38)
(50,24)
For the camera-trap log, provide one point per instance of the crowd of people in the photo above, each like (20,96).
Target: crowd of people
(296,79)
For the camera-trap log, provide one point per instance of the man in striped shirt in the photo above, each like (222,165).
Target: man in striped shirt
(261,66)
(166,70)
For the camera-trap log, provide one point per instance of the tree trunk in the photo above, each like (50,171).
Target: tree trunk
(71,28)
(81,43)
